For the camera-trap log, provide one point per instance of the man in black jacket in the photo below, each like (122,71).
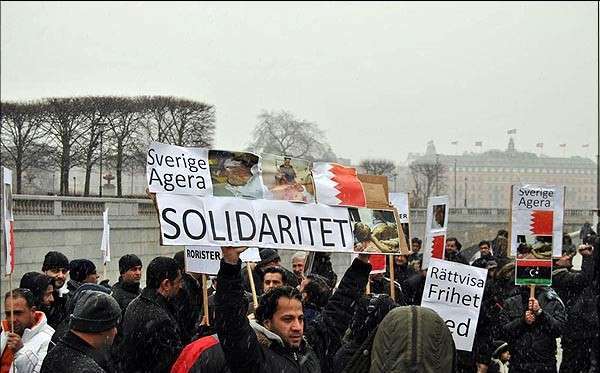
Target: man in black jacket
(56,265)
(92,330)
(284,345)
(187,303)
(575,290)
(453,253)
(531,326)
(151,339)
(128,287)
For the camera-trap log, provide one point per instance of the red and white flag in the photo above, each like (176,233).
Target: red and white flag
(9,222)
(105,245)
(337,185)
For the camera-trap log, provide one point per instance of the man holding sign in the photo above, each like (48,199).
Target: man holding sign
(281,321)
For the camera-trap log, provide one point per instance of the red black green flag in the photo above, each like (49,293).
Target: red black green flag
(534,272)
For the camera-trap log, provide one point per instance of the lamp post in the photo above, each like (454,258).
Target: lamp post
(101,151)
(465,192)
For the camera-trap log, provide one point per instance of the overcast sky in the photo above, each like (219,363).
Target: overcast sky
(380,78)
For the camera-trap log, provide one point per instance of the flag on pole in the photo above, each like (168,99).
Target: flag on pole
(539,145)
(338,185)
(9,222)
(512,131)
(105,246)
(478,143)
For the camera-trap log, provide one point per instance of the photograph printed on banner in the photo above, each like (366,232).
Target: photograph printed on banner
(534,247)
(375,231)
(438,217)
(287,178)
(235,174)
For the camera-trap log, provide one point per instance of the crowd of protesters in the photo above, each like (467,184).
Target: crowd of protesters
(62,320)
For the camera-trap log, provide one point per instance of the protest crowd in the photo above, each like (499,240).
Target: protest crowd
(62,320)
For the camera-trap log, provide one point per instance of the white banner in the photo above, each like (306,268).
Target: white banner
(207,259)
(400,202)
(105,245)
(8,221)
(179,170)
(537,220)
(455,291)
(436,227)
(228,221)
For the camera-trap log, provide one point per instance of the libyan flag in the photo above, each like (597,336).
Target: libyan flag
(534,272)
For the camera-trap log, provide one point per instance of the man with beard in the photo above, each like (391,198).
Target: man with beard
(93,327)
(27,344)
(128,287)
(56,265)
(42,287)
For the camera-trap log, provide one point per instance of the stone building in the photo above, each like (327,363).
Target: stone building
(484,179)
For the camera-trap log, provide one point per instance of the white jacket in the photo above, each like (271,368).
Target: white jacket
(35,345)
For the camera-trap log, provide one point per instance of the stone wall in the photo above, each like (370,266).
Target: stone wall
(73,225)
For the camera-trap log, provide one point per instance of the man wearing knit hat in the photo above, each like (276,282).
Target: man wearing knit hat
(56,265)
(93,327)
(81,271)
(128,287)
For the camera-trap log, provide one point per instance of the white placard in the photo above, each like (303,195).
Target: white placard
(228,221)
(436,227)
(105,244)
(455,291)
(252,254)
(8,221)
(400,202)
(537,211)
(202,259)
(175,169)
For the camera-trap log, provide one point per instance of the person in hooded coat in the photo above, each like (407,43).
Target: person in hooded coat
(412,339)
(575,290)
(84,349)
(531,326)
(278,350)
(368,312)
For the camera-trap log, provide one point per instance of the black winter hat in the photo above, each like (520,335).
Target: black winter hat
(79,269)
(72,302)
(128,261)
(54,259)
(268,255)
(179,258)
(499,348)
(95,312)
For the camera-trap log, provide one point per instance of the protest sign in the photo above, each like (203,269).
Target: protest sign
(287,178)
(536,221)
(400,202)
(8,221)
(455,291)
(376,190)
(252,254)
(378,263)
(179,170)
(376,231)
(436,227)
(227,221)
(202,259)
(533,272)
(235,174)
(337,185)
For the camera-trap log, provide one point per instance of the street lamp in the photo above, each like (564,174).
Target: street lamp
(101,125)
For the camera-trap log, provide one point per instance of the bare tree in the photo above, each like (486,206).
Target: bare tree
(281,133)
(378,166)
(66,126)
(124,124)
(22,136)
(427,177)
(178,121)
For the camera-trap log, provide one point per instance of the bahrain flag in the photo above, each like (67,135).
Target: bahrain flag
(337,185)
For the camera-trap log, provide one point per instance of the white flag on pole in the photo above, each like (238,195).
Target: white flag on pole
(105,246)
